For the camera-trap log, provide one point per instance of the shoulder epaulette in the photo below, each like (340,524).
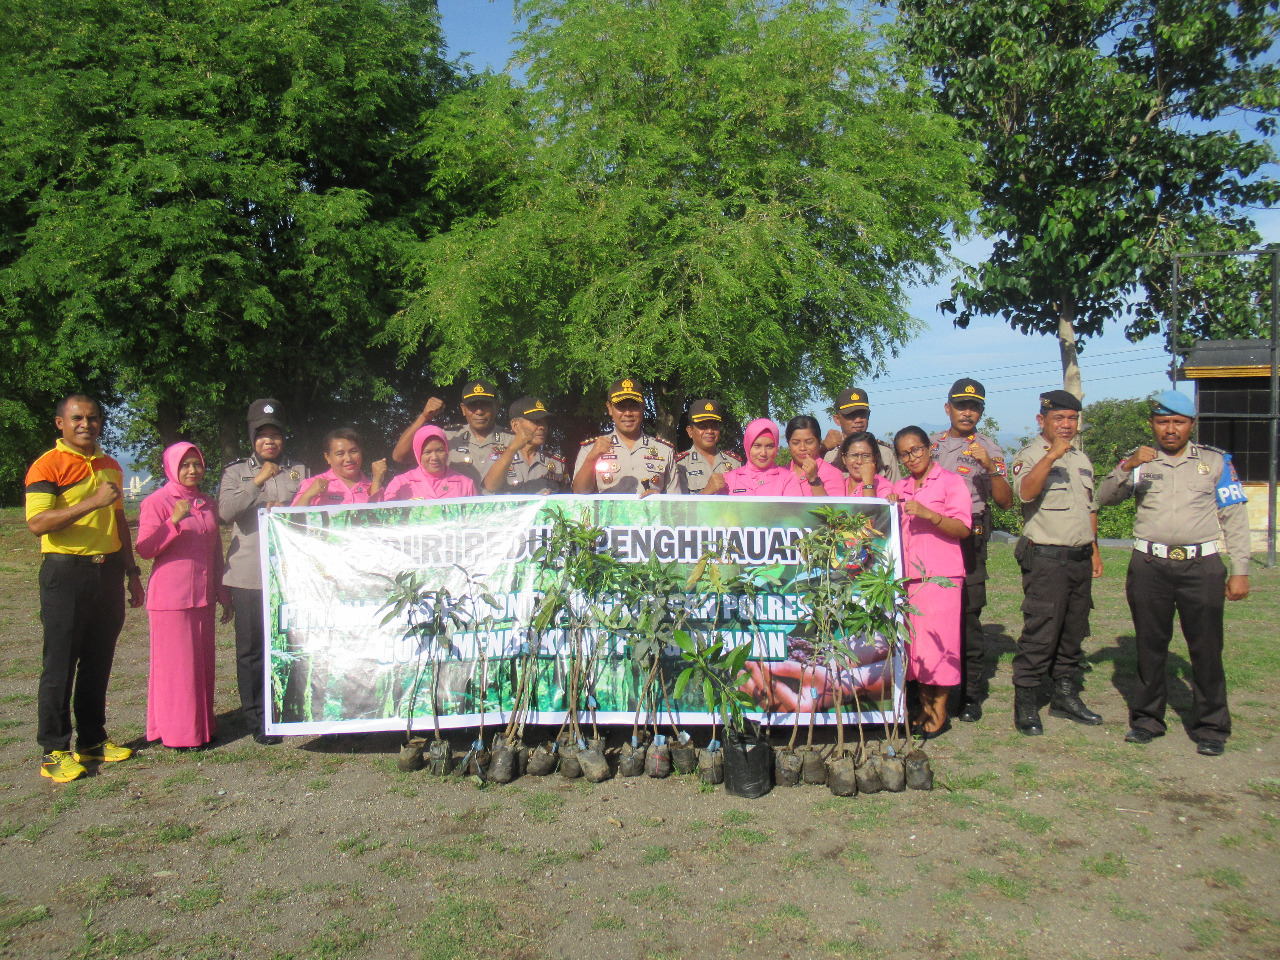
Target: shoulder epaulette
(664,443)
(235,462)
(554,456)
(681,456)
(733,456)
(587,442)
(1217,450)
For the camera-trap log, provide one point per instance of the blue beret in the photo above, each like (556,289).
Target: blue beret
(1171,403)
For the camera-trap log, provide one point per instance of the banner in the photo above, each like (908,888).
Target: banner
(332,666)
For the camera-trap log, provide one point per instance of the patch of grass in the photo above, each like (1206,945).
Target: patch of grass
(319,783)
(654,855)
(1231,841)
(202,896)
(849,949)
(738,816)
(228,756)
(232,838)
(1030,822)
(1206,933)
(1010,887)
(456,928)
(597,844)
(269,895)
(972,781)
(542,807)
(458,854)
(655,894)
(358,845)
(1222,878)
(556,858)
(189,775)
(397,868)
(651,822)
(800,860)
(174,833)
(738,836)
(855,853)
(9,828)
(1108,865)
(607,921)
(24,918)
(341,938)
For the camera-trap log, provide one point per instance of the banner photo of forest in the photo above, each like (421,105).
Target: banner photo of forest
(337,662)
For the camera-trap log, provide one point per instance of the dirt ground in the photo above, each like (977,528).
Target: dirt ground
(1073,844)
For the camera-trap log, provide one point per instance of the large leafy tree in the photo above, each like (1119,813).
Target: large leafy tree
(205,201)
(713,195)
(1107,148)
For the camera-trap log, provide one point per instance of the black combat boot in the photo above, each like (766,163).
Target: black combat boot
(1026,716)
(1067,703)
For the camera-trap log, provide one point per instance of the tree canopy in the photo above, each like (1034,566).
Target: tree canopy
(205,201)
(710,195)
(1107,148)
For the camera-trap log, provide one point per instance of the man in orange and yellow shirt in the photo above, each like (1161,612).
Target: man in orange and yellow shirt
(73,504)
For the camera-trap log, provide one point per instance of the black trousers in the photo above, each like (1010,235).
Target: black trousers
(1056,598)
(82,610)
(973,647)
(249,660)
(1196,590)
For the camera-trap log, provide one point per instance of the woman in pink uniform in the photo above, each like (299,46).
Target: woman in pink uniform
(178,529)
(344,482)
(860,454)
(937,514)
(432,480)
(760,476)
(817,477)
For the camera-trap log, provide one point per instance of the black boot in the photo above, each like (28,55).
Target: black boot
(1067,703)
(1026,715)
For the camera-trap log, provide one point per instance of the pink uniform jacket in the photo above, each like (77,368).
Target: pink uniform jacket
(880,487)
(338,492)
(417,484)
(831,477)
(926,551)
(187,571)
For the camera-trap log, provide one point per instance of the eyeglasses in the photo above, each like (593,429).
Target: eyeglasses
(913,453)
(860,457)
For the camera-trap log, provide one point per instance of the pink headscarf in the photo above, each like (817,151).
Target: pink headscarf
(417,484)
(171,459)
(749,480)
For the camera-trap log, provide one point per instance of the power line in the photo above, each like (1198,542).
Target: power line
(1130,354)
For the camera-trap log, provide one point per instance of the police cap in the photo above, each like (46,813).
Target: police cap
(855,398)
(966,389)
(264,413)
(703,411)
(477,390)
(529,408)
(627,388)
(1171,403)
(1058,400)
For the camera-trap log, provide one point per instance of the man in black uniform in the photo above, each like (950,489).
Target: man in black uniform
(1059,557)
(1189,500)
(980,462)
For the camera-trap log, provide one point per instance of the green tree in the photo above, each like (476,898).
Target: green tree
(1106,150)
(1112,429)
(204,201)
(713,195)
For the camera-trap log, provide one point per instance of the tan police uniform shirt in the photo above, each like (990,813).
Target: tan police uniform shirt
(956,454)
(621,470)
(1178,501)
(543,474)
(693,472)
(239,500)
(471,455)
(892,469)
(1060,516)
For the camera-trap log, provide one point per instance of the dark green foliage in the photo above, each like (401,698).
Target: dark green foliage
(203,202)
(1105,151)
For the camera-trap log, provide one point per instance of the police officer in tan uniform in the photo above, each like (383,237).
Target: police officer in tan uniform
(526,467)
(626,459)
(1058,554)
(980,462)
(852,414)
(267,478)
(1189,501)
(695,466)
(471,446)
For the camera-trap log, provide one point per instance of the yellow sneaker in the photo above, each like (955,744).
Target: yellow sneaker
(61,767)
(106,751)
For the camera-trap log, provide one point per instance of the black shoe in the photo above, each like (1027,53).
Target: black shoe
(267,740)
(1026,715)
(1067,703)
(971,712)
(1210,748)
(1138,735)
(926,735)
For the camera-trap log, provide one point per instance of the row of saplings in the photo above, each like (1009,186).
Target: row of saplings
(851,591)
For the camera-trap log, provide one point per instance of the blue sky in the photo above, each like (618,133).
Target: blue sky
(1014,367)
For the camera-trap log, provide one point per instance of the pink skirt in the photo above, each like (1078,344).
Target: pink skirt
(180,679)
(933,655)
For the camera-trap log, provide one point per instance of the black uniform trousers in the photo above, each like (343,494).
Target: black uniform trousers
(249,658)
(1196,590)
(973,648)
(82,610)
(1057,594)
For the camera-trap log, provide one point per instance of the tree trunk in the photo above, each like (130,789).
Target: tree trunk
(168,423)
(1070,359)
(668,405)
(229,435)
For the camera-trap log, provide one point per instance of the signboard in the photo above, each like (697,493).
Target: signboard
(333,666)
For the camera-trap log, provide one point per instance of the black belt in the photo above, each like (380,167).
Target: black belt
(83,558)
(1062,553)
